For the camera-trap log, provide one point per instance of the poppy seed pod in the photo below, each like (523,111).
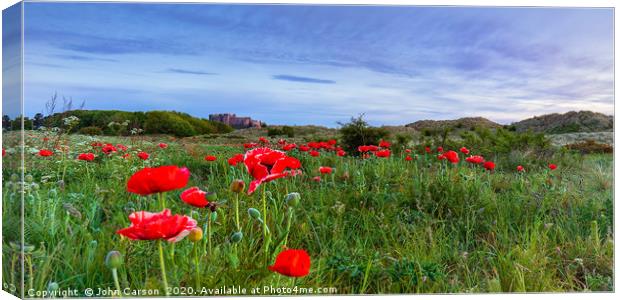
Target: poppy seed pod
(114,259)
(211,196)
(237,186)
(52,286)
(254,213)
(195,234)
(236,237)
(28,178)
(14,177)
(292,199)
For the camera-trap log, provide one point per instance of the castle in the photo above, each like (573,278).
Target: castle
(234,121)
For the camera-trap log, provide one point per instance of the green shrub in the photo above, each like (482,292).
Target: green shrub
(167,123)
(273,131)
(357,133)
(91,130)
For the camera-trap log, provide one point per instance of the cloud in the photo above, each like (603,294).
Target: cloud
(190,72)
(83,58)
(302,79)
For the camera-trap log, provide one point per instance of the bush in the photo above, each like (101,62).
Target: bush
(357,133)
(91,130)
(273,131)
(167,123)
(590,146)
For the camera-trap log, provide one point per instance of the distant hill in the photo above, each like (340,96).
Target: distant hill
(465,123)
(582,121)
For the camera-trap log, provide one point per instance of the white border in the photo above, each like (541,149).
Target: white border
(548,3)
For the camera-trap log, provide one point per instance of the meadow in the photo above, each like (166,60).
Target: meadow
(395,218)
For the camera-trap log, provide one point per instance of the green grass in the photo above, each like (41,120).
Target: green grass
(375,226)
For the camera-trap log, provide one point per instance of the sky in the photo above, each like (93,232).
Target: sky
(299,64)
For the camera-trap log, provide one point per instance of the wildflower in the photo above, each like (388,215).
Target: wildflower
(439,149)
(289,147)
(265,164)
(408,158)
(237,186)
(108,148)
(249,145)
(86,156)
(464,150)
(237,158)
(475,159)
(156,180)
(210,158)
(383,153)
(325,170)
(292,263)
(304,148)
(143,155)
(195,197)
(427,149)
(552,167)
(263,140)
(408,150)
(451,156)
(341,153)
(45,153)
(520,169)
(489,165)
(316,178)
(121,147)
(155,226)
(163,145)
(314,153)
(384,144)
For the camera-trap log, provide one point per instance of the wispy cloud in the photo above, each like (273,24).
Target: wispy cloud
(302,79)
(83,58)
(190,72)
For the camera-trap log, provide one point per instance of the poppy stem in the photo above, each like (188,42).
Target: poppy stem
(265,235)
(209,233)
(288,225)
(116,284)
(237,211)
(163,267)
(196,262)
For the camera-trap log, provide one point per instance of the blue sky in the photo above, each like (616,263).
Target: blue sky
(321,64)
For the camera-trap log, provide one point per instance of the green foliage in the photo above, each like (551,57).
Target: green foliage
(91,130)
(569,128)
(357,133)
(500,141)
(281,131)
(112,122)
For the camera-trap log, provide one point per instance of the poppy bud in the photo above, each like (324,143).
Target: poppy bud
(28,178)
(211,196)
(195,234)
(114,259)
(52,286)
(14,177)
(292,199)
(254,213)
(236,237)
(35,186)
(237,186)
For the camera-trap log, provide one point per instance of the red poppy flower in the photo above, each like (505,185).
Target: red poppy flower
(157,180)
(383,153)
(408,158)
(520,169)
(210,158)
(86,156)
(45,153)
(408,150)
(281,142)
(109,148)
(341,153)
(475,159)
(304,148)
(489,165)
(155,226)
(292,263)
(237,158)
(314,153)
(427,149)
(552,167)
(45,139)
(121,147)
(316,178)
(265,164)
(249,145)
(439,149)
(195,197)
(384,144)
(289,147)
(143,155)
(3,152)
(263,140)
(325,170)
(126,155)
(464,150)
(451,156)
(163,145)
